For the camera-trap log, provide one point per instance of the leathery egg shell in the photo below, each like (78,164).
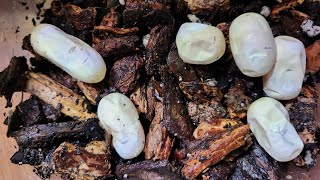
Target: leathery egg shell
(252,44)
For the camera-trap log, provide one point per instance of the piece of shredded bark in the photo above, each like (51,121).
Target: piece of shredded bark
(89,91)
(80,18)
(237,102)
(302,116)
(139,99)
(60,97)
(158,142)
(91,162)
(42,135)
(205,112)
(125,73)
(257,164)
(211,151)
(13,78)
(148,169)
(214,128)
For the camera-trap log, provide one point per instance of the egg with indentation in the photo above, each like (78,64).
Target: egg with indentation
(119,116)
(69,53)
(200,43)
(284,81)
(269,121)
(252,44)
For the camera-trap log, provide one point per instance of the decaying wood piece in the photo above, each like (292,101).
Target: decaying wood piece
(198,6)
(60,97)
(201,91)
(148,169)
(221,171)
(175,117)
(205,112)
(257,164)
(157,48)
(302,112)
(125,73)
(147,13)
(284,6)
(214,128)
(116,46)
(13,78)
(42,135)
(139,99)
(89,91)
(313,57)
(158,142)
(91,162)
(181,71)
(237,102)
(80,18)
(211,151)
(111,19)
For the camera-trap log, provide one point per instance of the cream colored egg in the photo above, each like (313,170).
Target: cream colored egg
(119,116)
(200,43)
(269,121)
(252,44)
(285,80)
(69,53)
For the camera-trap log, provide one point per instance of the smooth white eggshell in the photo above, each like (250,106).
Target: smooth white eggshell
(269,121)
(284,81)
(252,44)
(119,116)
(69,53)
(200,43)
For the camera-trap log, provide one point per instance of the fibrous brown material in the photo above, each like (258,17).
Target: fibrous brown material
(146,170)
(313,57)
(175,117)
(147,13)
(80,18)
(13,78)
(214,128)
(157,48)
(125,73)
(116,46)
(75,162)
(302,116)
(198,6)
(237,102)
(111,19)
(220,171)
(60,97)
(89,91)
(179,69)
(205,112)
(257,164)
(42,135)
(275,13)
(158,142)
(211,151)
(139,99)
(201,91)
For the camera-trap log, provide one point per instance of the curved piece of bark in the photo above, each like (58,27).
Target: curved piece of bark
(60,97)
(216,127)
(175,117)
(42,135)
(91,162)
(198,6)
(89,91)
(13,78)
(211,151)
(158,142)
